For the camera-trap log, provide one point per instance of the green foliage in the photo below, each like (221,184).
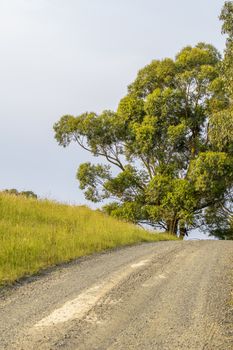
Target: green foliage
(227,18)
(98,134)
(35,234)
(155,75)
(221,122)
(212,174)
(167,162)
(92,179)
(219,219)
(219,216)
(172,198)
(128,211)
(221,130)
(227,28)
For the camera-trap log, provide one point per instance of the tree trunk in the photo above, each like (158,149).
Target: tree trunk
(172,226)
(183,231)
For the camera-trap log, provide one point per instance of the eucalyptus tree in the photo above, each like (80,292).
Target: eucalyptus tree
(160,161)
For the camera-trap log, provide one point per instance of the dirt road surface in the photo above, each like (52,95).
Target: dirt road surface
(166,295)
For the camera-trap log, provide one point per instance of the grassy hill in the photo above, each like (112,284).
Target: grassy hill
(35,234)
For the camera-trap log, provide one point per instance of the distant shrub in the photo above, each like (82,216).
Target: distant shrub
(13,191)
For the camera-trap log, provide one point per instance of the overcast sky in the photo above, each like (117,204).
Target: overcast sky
(69,56)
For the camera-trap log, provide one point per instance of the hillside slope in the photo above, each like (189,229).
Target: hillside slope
(35,234)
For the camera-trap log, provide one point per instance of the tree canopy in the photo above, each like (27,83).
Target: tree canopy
(220,216)
(167,151)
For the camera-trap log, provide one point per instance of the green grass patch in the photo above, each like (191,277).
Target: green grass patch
(35,234)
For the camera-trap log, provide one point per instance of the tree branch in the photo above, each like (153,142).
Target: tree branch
(110,159)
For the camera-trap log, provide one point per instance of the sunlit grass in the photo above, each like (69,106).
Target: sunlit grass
(37,234)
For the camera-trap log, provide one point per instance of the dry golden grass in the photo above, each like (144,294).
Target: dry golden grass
(35,234)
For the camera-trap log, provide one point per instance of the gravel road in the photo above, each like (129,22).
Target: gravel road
(165,295)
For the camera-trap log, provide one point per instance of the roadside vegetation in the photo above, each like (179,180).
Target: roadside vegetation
(35,234)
